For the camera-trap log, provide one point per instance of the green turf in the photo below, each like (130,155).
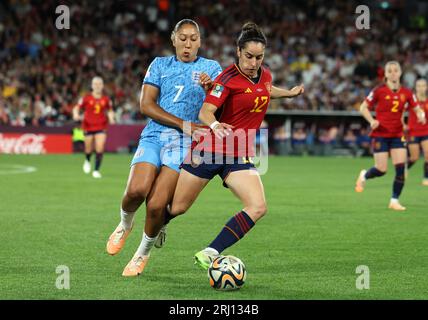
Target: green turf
(317,231)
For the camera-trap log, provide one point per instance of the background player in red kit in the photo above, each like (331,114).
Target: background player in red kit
(418,133)
(98,112)
(241,95)
(389,100)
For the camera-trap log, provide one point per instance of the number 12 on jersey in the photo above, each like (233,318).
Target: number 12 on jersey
(259,103)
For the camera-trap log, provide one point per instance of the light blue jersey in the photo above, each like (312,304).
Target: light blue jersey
(181,95)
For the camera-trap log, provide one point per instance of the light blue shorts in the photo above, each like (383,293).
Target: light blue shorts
(170,155)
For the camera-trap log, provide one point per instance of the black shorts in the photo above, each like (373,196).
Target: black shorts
(92,133)
(208,165)
(380,144)
(417,140)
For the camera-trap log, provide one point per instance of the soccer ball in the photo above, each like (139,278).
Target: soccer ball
(227,273)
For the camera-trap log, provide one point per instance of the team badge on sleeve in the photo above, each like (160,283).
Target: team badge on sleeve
(217,90)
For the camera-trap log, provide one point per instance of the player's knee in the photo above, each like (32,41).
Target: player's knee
(258,210)
(382,169)
(413,159)
(178,208)
(155,209)
(136,193)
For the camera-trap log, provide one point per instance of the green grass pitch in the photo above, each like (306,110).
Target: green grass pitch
(316,233)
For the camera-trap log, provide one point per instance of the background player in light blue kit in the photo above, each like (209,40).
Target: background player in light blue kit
(172,94)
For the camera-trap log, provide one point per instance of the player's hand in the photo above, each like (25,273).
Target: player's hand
(421,117)
(205,81)
(374,124)
(223,130)
(191,128)
(297,90)
(200,132)
(405,127)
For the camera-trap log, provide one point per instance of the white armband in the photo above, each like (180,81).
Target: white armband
(214,124)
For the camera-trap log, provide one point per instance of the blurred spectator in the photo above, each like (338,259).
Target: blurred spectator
(262,140)
(327,139)
(350,141)
(44,71)
(281,140)
(364,142)
(298,141)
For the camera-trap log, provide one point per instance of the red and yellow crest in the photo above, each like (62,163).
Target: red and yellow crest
(403,97)
(268,86)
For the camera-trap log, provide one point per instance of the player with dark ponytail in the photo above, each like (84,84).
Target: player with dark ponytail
(241,94)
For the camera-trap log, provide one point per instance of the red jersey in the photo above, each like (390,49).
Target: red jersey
(389,107)
(417,129)
(242,103)
(95,112)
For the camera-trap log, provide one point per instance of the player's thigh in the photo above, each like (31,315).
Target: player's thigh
(381,160)
(247,186)
(100,140)
(424,145)
(162,190)
(89,142)
(414,150)
(187,190)
(140,181)
(398,155)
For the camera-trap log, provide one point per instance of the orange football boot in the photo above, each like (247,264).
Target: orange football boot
(395,205)
(136,266)
(117,240)
(361,182)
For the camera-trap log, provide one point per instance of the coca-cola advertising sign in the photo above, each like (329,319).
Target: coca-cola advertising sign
(35,143)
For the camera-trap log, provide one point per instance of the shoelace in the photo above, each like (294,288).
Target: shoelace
(118,236)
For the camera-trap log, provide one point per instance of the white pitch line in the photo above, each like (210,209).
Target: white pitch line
(16,169)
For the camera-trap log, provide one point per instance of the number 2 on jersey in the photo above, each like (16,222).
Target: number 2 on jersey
(395,105)
(258,108)
(180,89)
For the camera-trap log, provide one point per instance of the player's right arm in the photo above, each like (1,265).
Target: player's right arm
(76,110)
(149,97)
(365,111)
(150,108)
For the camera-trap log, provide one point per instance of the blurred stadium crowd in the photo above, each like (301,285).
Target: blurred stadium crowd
(43,70)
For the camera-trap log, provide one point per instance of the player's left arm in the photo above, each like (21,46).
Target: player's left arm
(207,80)
(111,114)
(207,117)
(414,104)
(420,114)
(76,110)
(284,93)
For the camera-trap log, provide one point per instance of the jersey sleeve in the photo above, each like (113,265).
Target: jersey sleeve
(215,70)
(109,105)
(217,95)
(412,100)
(81,103)
(153,74)
(372,98)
